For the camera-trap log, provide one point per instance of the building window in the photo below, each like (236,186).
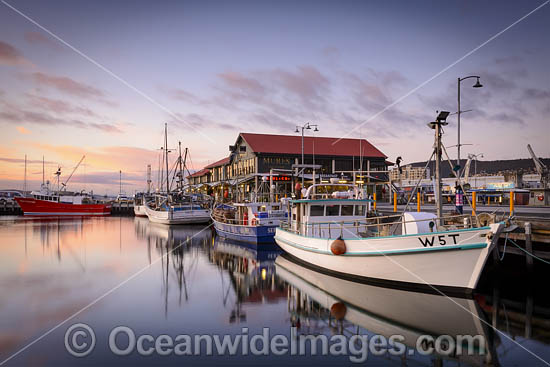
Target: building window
(242,148)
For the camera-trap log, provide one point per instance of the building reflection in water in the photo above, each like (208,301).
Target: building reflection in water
(250,271)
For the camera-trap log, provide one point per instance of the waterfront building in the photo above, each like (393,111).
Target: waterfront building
(254,159)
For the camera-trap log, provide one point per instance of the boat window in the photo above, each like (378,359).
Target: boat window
(275,207)
(333,210)
(359,210)
(317,210)
(347,210)
(261,208)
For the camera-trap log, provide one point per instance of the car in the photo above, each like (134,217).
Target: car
(7,196)
(121,198)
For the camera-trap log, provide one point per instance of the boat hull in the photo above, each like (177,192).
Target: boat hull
(139,211)
(36,207)
(400,261)
(249,234)
(178,217)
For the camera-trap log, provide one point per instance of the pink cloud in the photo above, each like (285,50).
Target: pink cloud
(9,55)
(40,38)
(67,85)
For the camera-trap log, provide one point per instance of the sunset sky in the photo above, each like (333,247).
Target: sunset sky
(212,69)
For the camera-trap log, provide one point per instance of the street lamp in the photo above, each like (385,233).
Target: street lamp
(476,85)
(475,157)
(306,126)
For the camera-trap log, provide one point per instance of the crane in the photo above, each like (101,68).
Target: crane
(541,168)
(71,175)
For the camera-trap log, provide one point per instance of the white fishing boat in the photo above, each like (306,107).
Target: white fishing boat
(139,204)
(174,206)
(328,229)
(177,213)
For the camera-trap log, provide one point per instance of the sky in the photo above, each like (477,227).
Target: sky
(101,78)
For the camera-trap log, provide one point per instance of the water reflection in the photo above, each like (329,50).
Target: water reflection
(193,282)
(251,275)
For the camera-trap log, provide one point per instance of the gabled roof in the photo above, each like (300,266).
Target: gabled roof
(199,173)
(221,162)
(292,144)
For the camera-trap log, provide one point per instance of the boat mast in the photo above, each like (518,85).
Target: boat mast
(166,153)
(42,170)
(439,122)
(25,183)
(181,168)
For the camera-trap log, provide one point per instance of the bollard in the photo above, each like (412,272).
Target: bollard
(395,202)
(374,198)
(528,247)
(511,203)
(418,202)
(474,202)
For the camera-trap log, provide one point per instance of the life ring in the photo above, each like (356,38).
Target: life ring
(540,197)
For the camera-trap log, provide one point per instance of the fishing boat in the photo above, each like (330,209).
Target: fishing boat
(48,202)
(176,206)
(178,211)
(328,229)
(253,223)
(139,204)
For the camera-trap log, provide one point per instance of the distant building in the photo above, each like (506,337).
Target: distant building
(410,173)
(254,156)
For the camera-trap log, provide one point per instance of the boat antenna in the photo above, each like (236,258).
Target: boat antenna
(71,175)
(42,170)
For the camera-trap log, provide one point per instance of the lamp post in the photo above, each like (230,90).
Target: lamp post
(306,126)
(475,156)
(476,85)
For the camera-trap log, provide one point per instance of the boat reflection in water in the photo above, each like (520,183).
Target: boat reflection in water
(179,247)
(318,301)
(251,275)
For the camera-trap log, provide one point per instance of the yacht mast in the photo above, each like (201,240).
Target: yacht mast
(166,153)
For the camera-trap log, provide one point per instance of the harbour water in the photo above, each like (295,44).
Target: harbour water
(182,280)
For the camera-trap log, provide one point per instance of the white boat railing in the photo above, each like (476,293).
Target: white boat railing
(382,226)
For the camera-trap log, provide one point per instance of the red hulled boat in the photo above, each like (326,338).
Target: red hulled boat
(48,204)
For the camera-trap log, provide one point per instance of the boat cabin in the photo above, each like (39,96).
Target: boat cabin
(259,213)
(323,204)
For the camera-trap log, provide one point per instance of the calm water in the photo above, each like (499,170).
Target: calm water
(154,279)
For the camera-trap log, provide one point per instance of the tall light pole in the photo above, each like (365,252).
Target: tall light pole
(306,126)
(476,85)
(475,156)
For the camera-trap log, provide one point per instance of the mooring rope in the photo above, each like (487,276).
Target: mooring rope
(528,253)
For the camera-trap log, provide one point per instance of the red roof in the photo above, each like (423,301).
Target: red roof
(221,162)
(199,173)
(292,144)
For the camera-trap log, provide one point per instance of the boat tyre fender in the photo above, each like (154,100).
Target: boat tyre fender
(484,219)
(338,246)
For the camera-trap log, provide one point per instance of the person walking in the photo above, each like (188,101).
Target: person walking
(459,200)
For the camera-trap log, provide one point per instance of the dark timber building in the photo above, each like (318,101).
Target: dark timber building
(245,173)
